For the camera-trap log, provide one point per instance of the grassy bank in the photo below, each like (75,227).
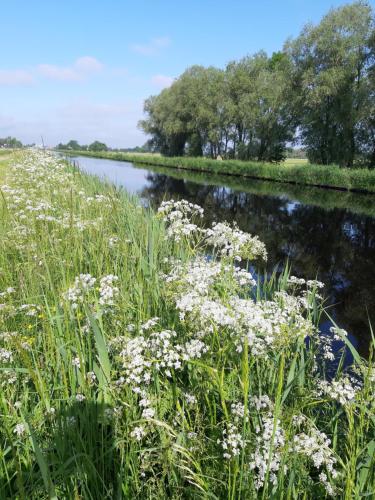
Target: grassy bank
(133,367)
(5,155)
(332,176)
(328,199)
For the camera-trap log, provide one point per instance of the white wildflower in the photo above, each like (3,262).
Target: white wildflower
(138,433)
(232,442)
(19,429)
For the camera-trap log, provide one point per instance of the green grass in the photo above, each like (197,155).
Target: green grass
(296,161)
(295,171)
(5,155)
(329,199)
(6,158)
(63,369)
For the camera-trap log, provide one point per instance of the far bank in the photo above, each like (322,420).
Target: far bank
(327,176)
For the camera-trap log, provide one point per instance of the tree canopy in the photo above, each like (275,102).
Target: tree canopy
(97,146)
(318,93)
(10,142)
(75,146)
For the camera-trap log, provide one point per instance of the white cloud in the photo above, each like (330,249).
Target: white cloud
(58,72)
(162,81)
(88,64)
(16,77)
(83,67)
(151,48)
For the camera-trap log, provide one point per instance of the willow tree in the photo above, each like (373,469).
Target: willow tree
(318,92)
(263,120)
(166,128)
(331,70)
(240,112)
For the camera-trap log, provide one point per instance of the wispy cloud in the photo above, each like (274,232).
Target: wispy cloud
(16,77)
(81,69)
(153,47)
(162,81)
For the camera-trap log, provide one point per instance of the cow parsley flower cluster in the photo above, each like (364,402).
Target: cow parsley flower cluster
(76,293)
(31,199)
(341,390)
(227,240)
(230,241)
(20,429)
(107,291)
(261,402)
(316,446)
(84,290)
(262,324)
(159,351)
(231,442)
(270,437)
(178,216)
(238,411)
(190,399)
(9,291)
(5,356)
(138,433)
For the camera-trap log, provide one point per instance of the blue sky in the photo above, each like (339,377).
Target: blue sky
(82,69)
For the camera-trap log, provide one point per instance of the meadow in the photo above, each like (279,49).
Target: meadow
(141,356)
(292,171)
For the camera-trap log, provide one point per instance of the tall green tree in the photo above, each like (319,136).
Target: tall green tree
(319,93)
(163,123)
(240,112)
(262,118)
(97,146)
(73,144)
(331,70)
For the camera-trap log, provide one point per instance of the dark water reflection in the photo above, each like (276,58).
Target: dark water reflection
(324,234)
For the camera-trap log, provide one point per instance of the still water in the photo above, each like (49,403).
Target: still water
(324,234)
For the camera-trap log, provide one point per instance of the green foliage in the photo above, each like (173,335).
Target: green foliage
(319,92)
(10,142)
(332,66)
(67,426)
(239,112)
(97,146)
(73,145)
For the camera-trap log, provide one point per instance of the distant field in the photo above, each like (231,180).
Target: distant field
(296,161)
(146,154)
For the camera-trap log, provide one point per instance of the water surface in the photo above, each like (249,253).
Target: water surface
(324,234)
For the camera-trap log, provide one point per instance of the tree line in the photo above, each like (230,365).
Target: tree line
(73,145)
(317,93)
(98,146)
(10,142)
